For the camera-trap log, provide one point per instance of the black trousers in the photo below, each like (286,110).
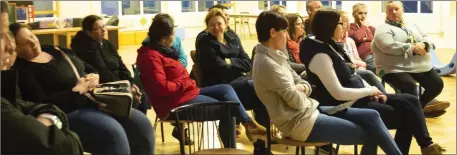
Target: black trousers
(404,113)
(244,88)
(406,83)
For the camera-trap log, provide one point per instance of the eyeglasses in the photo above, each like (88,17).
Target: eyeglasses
(341,23)
(99,28)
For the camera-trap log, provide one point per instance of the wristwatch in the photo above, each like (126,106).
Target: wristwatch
(54,119)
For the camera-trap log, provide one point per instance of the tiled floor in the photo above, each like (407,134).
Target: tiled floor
(442,129)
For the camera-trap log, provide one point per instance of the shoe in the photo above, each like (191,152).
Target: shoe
(434,149)
(256,132)
(187,140)
(434,114)
(325,150)
(436,105)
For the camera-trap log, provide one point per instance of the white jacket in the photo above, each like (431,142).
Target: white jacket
(275,83)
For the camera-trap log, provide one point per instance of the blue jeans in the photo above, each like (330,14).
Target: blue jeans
(222,92)
(369,60)
(101,133)
(371,79)
(354,126)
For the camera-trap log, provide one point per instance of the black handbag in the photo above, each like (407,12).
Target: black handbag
(114,98)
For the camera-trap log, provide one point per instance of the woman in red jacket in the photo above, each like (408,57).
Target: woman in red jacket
(168,85)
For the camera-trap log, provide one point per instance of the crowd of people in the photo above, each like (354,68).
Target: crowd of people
(300,70)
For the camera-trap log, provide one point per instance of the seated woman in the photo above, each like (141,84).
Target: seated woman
(168,84)
(333,73)
(402,59)
(46,76)
(224,61)
(177,45)
(296,32)
(296,115)
(27,127)
(348,44)
(90,46)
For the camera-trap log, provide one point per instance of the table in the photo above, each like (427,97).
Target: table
(68,32)
(242,16)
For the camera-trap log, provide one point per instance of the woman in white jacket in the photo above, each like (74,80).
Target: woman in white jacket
(297,116)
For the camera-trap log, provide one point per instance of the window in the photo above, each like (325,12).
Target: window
(110,8)
(329,4)
(426,6)
(414,6)
(187,6)
(151,7)
(205,5)
(265,5)
(44,6)
(131,7)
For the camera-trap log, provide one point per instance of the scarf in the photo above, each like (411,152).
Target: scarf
(293,49)
(402,25)
(170,52)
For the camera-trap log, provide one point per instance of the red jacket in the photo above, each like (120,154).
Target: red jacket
(358,33)
(166,81)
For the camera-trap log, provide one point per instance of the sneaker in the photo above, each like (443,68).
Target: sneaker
(187,140)
(434,149)
(436,105)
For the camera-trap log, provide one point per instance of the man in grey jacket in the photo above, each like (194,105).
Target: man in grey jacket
(402,58)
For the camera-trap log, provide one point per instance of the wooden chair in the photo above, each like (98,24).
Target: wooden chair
(299,145)
(198,113)
(196,71)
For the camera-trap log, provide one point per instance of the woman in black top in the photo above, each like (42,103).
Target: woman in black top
(223,61)
(332,71)
(46,76)
(90,46)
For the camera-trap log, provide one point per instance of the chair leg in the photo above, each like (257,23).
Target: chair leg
(303,150)
(316,150)
(297,150)
(356,152)
(161,130)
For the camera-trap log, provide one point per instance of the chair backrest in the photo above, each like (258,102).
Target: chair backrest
(196,71)
(198,113)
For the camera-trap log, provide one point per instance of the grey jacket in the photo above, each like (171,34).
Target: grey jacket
(393,53)
(290,110)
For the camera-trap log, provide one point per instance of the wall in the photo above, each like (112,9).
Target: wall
(443,19)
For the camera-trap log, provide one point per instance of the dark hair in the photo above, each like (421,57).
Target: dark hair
(268,20)
(292,19)
(162,26)
(4,7)
(89,21)
(324,22)
(15,27)
(219,6)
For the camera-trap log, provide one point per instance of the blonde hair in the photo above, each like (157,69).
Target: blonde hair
(276,8)
(213,13)
(357,7)
(343,15)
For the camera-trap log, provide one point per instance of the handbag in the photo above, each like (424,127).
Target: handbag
(115,98)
